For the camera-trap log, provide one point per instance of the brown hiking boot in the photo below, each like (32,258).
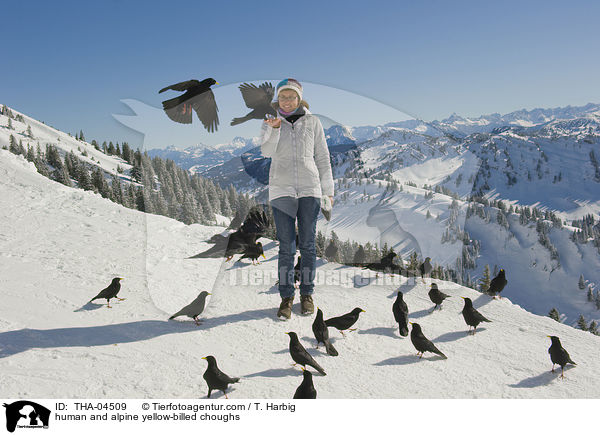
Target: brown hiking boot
(285,309)
(306,304)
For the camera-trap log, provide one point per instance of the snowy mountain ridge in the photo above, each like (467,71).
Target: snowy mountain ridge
(54,343)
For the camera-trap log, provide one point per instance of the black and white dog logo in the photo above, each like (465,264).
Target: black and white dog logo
(26,414)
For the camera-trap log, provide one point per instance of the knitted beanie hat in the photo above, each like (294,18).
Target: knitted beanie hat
(292,84)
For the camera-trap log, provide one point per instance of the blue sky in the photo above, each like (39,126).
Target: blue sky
(70,64)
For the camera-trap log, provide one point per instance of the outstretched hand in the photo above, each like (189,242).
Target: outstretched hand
(273,122)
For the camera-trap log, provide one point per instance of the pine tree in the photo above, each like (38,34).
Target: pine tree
(10,125)
(332,250)
(484,282)
(590,294)
(581,282)
(320,244)
(593,328)
(359,256)
(581,323)
(29,132)
(554,314)
(30,156)
(83,178)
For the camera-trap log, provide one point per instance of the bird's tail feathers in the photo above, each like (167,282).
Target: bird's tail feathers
(236,121)
(439,352)
(330,349)
(318,368)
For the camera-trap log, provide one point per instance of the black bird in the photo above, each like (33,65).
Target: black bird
(322,333)
(472,316)
(110,292)
(215,378)
(400,310)
(257,98)
(253,252)
(306,390)
(199,97)
(194,309)
(345,321)
(436,296)
(425,268)
(385,264)
(559,355)
(497,284)
(297,273)
(421,343)
(300,355)
(255,226)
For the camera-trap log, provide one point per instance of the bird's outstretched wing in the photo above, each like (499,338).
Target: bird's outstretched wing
(255,96)
(178,112)
(183,86)
(256,222)
(206,108)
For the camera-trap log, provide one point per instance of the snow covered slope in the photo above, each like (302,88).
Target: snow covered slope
(60,246)
(42,135)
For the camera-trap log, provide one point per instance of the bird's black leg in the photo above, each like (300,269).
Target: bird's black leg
(562,372)
(108,303)
(209,391)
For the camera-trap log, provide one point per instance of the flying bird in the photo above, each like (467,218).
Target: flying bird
(194,309)
(436,296)
(300,355)
(257,98)
(198,97)
(497,284)
(306,390)
(254,226)
(421,343)
(110,292)
(215,378)
(400,310)
(322,334)
(345,321)
(559,355)
(472,316)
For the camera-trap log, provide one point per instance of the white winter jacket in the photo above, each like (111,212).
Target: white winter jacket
(300,164)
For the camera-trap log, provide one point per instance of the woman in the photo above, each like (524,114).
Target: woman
(300,176)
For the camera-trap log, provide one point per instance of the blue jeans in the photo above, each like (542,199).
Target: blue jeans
(285,212)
